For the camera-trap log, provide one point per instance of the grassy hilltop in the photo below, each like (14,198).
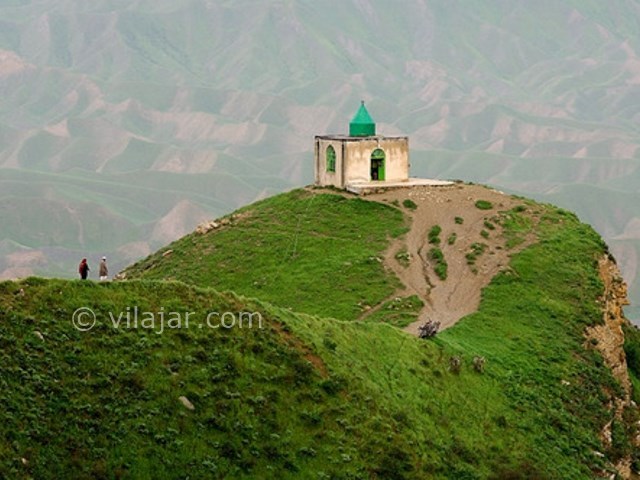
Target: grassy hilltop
(317,393)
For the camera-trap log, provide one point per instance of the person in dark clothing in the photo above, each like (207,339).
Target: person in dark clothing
(83,269)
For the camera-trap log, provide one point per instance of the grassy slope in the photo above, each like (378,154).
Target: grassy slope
(105,403)
(373,402)
(529,328)
(314,253)
(519,419)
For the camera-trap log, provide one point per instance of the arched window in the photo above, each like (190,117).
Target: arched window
(331,159)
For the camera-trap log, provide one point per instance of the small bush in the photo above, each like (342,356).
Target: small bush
(333,385)
(459,220)
(436,254)
(329,344)
(488,225)
(410,204)
(440,265)
(441,270)
(632,349)
(477,249)
(452,238)
(620,445)
(434,235)
(484,234)
(484,205)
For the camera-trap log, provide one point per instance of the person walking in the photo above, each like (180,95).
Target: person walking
(83,269)
(104,271)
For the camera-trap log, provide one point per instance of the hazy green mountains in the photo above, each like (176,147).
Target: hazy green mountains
(124,124)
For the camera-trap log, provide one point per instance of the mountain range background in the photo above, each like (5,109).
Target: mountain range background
(125,124)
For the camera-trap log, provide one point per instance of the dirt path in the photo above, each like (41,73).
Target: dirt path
(447,301)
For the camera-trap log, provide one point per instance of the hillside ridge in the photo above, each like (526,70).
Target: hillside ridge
(332,385)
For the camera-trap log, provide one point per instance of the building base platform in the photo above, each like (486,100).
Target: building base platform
(364,188)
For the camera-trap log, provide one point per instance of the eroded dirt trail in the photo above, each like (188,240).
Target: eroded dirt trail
(447,301)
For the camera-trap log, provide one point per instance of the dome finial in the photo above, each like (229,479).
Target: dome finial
(362,125)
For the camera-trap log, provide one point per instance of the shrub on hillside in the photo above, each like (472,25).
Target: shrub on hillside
(434,234)
(484,205)
(632,349)
(440,265)
(410,204)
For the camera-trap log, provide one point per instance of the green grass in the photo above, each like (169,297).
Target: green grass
(530,328)
(409,204)
(105,403)
(303,396)
(488,225)
(434,235)
(310,396)
(399,312)
(484,205)
(474,252)
(440,265)
(517,420)
(516,224)
(632,349)
(314,253)
(632,353)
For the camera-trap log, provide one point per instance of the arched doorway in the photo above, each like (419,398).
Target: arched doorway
(377,164)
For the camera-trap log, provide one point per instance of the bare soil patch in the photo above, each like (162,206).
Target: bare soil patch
(452,208)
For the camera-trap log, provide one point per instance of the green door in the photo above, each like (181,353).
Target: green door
(377,164)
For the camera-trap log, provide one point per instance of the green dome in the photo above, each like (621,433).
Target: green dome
(362,124)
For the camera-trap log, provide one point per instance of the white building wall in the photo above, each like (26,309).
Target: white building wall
(353,159)
(322,176)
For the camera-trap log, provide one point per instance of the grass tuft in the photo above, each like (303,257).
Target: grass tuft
(409,204)
(434,235)
(484,205)
(440,266)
